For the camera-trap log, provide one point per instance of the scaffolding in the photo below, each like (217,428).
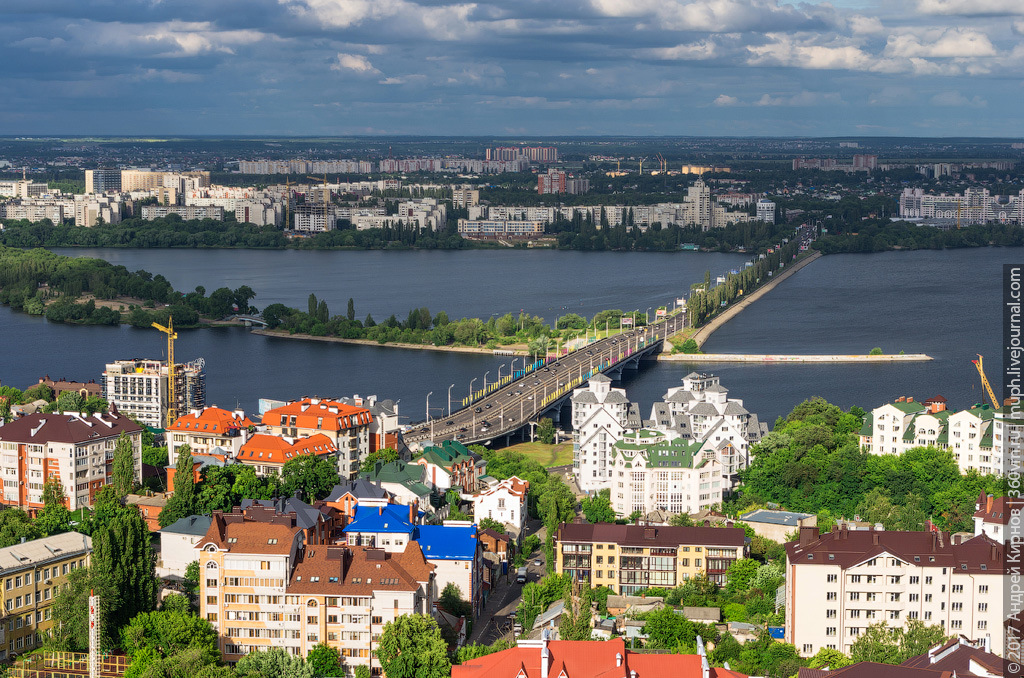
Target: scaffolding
(68,665)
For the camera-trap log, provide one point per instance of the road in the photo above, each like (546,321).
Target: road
(496,619)
(507,408)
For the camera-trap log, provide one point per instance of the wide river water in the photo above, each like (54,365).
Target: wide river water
(946,304)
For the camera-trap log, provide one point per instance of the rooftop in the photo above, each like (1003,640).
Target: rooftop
(70,427)
(41,550)
(211,420)
(641,535)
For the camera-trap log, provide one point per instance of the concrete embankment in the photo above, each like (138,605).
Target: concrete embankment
(755,358)
(370,342)
(734,309)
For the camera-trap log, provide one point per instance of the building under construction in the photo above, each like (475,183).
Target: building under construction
(139,387)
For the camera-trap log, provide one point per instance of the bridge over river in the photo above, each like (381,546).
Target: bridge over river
(520,399)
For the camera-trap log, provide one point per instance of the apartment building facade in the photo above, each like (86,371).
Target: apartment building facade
(629,558)
(347,426)
(263,587)
(140,388)
(76,449)
(841,582)
(211,430)
(33,573)
(505,502)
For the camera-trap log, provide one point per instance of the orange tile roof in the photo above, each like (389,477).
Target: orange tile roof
(356,570)
(210,420)
(513,485)
(324,415)
(250,536)
(582,659)
(263,448)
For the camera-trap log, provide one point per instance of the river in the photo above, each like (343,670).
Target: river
(946,304)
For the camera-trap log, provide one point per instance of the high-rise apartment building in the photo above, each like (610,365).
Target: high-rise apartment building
(139,388)
(102,180)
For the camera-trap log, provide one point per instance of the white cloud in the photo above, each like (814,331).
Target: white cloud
(171,39)
(353,62)
(957,99)
(804,98)
(953,42)
(868,25)
(725,100)
(705,49)
(343,13)
(971,7)
(785,50)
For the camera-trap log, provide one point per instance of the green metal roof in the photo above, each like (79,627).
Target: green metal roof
(869,423)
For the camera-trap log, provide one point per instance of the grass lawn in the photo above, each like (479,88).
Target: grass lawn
(547,455)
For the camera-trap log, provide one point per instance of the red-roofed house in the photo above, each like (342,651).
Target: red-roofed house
(587,659)
(992,514)
(268,454)
(347,426)
(207,429)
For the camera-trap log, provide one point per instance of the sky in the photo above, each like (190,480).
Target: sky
(512,67)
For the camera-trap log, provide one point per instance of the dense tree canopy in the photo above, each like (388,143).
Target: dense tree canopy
(412,647)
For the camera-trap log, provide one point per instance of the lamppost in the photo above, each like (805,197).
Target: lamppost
(471,390)
(450,399)
(647,317)
(428,404)
(485,381)
(499,374)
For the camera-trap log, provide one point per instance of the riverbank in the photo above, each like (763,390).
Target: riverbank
(369,342)
(702,334)
(759,358)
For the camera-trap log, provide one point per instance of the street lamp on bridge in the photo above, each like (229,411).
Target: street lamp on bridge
(485,381)
(450,399)
(470,399)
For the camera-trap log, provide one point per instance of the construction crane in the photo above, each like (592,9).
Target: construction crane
(642,165)
(287,201)
(172,383)
(326,196)
(984,381)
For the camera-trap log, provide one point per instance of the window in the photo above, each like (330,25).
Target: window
(830,614)
(982,607)
(915,580)
(854,595)
(832,578)
(982,588)
(957,588)
(808,648)
(982,624)
(830,631)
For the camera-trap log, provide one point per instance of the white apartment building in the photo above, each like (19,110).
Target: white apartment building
(37,209)
(210,430)
(973,206)
(465,196)
(77,449)
(904,424)
(600,416)
(139,388)
(186,212)
(91,209)
(701,411)
(497,228)
(766,211)
(505,503)
(650,472)
(841,582)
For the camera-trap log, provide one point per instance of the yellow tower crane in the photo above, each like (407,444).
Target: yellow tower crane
(172,383)
(984,381)
(326,197)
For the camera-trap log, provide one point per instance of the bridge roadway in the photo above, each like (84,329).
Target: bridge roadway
(507,407)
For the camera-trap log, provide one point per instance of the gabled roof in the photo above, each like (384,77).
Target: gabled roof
(997,509)
(397,471)
(306,516)
(357,570)
(957,655)
(848,548)
(232,532)
(210,420)
(195,526)
(324,415)
(360,488)
(875,670)
(447,542)
(30,553)
(641,535)
(69,427)
(585,659)
(268,449)
(392,518)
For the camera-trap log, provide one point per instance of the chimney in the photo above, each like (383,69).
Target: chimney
(808,533)
(995,552)
(618,659)
(380,510)
(935,541)
(412,514)
(874,538)
(988,504)
(956,540)
(545,656)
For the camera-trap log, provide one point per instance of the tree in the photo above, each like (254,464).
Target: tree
(169,632)
(37,392)
(491,524)
(274,663)
(312,476)
(324,659)
(667,630)
(351,313)
(123,556)
(546,430)
(55,517)
(15,525)
(681,519)
(384,455)
(191,582)
(71,607)
(453,603)
(739,575)
(123,477)
(183,502)
(877,644)
(412,647)
(598,508)
(875,351)
(362,671)
(829,659)
(576,621)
